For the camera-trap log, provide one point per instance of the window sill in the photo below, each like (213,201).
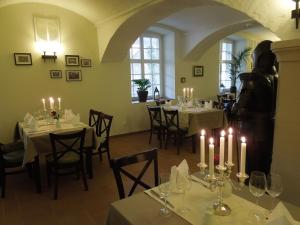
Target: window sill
(137,101)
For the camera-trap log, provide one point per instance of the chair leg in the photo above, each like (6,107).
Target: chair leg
(48,169)
(37,174)
(2,181)
(77,172)
(167,139)
(83,176)
(150,138)
(55,186)
(100,153)
(29,169)
(108,153)
(89,163)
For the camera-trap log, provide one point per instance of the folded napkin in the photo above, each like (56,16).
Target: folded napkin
(33,124)
(68,115)
(281,216)
(179,174)
(27,118)
(190,103)
(76,119)
(208,105)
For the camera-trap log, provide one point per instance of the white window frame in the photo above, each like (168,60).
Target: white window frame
(229,41)
(143,61)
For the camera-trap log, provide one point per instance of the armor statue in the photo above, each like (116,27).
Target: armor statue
(254,110)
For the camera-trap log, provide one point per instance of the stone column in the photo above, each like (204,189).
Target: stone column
(286,150)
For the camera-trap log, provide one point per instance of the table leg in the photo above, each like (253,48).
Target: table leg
(37,174)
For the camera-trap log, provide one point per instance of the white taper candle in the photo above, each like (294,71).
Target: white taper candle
(211,157)
(230,145)
(222,149)
(243,156)
(202,147)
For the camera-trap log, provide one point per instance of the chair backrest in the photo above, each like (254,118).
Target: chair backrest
(65,143)
(117,165)
(94,119)
(105,125)
(154,114)
(171,118)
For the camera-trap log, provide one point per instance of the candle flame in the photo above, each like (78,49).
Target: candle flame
(202,132)
(43,100)
(243,139)
(59,99)
(223,133)
(211,140)
(230,130)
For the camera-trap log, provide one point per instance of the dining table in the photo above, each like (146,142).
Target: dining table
(37,141)
(144,207)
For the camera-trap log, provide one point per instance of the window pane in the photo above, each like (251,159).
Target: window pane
(149,77)
(155,54)
(155,42)
(147,42)
(156,79)
(136,44)
(148,68)
(136,68)
(147,53)
(135,77)
(156,68)
(135,53)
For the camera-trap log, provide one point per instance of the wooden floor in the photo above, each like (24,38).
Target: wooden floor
(22,206)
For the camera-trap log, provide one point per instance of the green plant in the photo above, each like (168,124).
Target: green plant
(236,64)
(143,84)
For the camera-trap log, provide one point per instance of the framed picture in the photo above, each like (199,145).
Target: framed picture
(56,74)
(86,62)
(72,60)
(23,59)
(198,71)
(73,75)
(182,79)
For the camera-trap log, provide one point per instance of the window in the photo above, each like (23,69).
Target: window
(226,51)
(145,62)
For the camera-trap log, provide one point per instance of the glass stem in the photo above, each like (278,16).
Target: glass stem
(165,203)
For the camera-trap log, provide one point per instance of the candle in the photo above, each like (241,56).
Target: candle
(230,146)
(44,104)
(192,89)
(202,145)
(51,101)
(221,153)
(211,157)
(243,156)
(184,92)
(59,106)
(187,92)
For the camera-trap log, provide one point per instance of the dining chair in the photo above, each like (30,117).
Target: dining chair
(11,157)
(173,128)
(118,165)
(102,122)
(66,157)
(156,124)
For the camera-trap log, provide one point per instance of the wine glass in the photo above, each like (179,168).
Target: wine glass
(183,184)
(274,187)
(257,187)
(164,190)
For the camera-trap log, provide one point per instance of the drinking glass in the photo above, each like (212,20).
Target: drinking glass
(257,186)
(164,190)
(274,187)
(183,184)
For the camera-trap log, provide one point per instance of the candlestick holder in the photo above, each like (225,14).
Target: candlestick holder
(202,167)
(242,178)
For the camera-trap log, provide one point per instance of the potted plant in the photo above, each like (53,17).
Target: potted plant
(142,84)
(235,66)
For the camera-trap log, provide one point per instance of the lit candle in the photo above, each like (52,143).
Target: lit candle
(51,101)
(59,106)
(192,89)
(211,157)
(187,92)
(222,144)
(202,145)
(243,156)
(184,92)
(230,145)
(44,104)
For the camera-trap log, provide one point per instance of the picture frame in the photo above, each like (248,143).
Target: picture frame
(56,74)
(86,62)
(198,71)
(73,75)
(182,80)
(72,60)
(23,59)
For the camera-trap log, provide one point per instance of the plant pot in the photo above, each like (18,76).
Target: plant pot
(143,95)
(232,89)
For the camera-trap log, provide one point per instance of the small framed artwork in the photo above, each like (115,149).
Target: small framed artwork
(198,71)
(72,60)
(56,74)
(86,62)
(73,75)
(23,59)
(182,79)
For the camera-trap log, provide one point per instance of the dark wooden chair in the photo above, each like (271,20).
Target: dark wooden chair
(11,157)
(174,130)
(148,156)
(66,157)
(156,125)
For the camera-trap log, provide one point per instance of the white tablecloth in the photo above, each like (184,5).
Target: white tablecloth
(38,141)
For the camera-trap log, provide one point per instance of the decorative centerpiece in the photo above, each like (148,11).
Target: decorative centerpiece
(52,112)
(223,169)
(187,94)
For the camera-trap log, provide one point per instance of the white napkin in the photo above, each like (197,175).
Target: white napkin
(33,124)
(27,118)
(76,119)
(190,103)
(69,115)
(281,216)
(208,105)
(178,172)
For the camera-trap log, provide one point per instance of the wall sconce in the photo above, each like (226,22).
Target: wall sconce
(47,56)
(296,13)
